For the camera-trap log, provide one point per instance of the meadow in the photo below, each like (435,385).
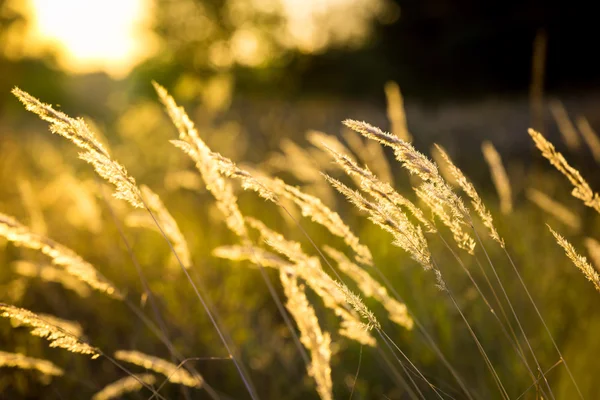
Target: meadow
(197,256)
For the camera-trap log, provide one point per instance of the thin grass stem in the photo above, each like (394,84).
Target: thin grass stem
(427,336)
(539,368)
(513,341)
(357,371)
(396,374)
(539,314)
(385,337)
(477,342)
(556,364)
(238,366)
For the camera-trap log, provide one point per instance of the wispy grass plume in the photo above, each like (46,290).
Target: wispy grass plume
(93,152)
(309,269)
(466,185)
(165,220)
(50,273)
(577,259)
(395,111)
(581,189)
(61,256)
(171,371)
(254,254)
(44,329)
(381,191)
(17,360)
(593,249)
(70,327)
(370,153)
(434,190)
(190,142)
(589,136)
(119,388)
(554,208)
(499,176)
(565,125)
(312,337)
(371,288)
(274,189)
(406,235)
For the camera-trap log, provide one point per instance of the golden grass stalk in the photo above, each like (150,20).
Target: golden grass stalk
(371,288)
(415,162)
(429,194)
(17,360)
(318,281)
(71,327)
(258,184)
(312,337)
(128,384)
(370,153)
(168,225)
(218,187)
(469,189)
(352,328)
(379,161)
(45,329)
(593,248)
(254,254)
(173,373)
(565,126)
(190,142)
(435,188)
(589,136)
(94,153)
(309,269)
(357,304)
(577,259)
(324,142)
(443,167)
(499,176)
(61,256)
(305,165)
(140,219)
(554,208)
(50,273)
(310,206)
(581,189)
(407,236)
(381,191)
(395,111)
(288,248)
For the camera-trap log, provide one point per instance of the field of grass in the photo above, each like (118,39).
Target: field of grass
(237,273)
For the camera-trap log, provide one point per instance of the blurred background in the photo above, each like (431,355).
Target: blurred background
(439,51)
(255,57)
(255,76)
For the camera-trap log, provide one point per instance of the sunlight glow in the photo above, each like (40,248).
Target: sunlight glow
(92,35)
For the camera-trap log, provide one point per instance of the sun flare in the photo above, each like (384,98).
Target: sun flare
(92,35)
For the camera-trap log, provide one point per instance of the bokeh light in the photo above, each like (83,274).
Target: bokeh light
(108,35)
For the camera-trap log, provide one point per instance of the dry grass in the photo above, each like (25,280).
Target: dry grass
(15,360)
(123,386)
(315,305)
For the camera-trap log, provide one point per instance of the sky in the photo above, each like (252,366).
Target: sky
(92,35)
